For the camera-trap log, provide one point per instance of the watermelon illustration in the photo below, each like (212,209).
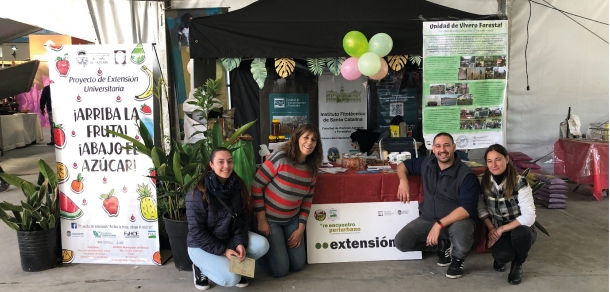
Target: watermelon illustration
(68,210)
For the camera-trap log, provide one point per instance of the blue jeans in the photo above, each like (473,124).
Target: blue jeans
(280,259)
(216,267)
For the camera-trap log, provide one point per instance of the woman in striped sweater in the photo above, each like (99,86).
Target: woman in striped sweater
(281,198)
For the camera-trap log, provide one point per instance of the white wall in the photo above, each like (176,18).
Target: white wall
(23,52)
(568,66)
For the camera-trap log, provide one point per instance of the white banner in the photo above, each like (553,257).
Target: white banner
(465,76)
(343,109)
(108,206)
(358,232)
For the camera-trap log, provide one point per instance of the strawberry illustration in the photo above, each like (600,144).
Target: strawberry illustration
(145,109)
(110,204)
(59,136)
(152,172)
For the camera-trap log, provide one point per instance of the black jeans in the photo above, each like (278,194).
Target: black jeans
(514,245)
(413,236)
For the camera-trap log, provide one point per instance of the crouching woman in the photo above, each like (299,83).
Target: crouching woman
(217,211)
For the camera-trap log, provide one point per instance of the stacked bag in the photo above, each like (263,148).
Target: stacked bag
(553,194)
(522,162)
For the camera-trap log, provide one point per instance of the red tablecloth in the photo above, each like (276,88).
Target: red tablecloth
(585,162)
(351,187)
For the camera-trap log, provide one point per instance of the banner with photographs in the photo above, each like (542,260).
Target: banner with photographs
(108,205)
(291,109)
(465,76)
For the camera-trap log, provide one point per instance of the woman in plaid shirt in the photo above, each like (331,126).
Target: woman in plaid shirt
(506,206)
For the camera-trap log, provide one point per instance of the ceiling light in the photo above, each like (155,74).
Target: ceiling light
(14,48)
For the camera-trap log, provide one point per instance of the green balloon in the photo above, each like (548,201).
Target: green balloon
(381,44)
(369,64)
(355,44)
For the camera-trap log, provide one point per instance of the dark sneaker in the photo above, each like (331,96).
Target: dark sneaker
(455,269)
(444,253)
(516,271)
(242,283)
(200,280)
(499,267)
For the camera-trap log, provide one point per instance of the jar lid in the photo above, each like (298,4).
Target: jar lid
(271,137)
(275,121)
(281,137)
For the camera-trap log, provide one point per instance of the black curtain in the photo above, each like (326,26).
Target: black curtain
(245,99)
(314,28)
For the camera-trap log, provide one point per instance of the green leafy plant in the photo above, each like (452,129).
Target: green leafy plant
(39,210)
(535,187)
(180,165)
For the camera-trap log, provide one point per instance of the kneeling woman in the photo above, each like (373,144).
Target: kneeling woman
(282,192)
(214,235)
(507,209)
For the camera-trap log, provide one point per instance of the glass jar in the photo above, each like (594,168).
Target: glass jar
(272,139)
(281,138)
(275,127)
(345,160)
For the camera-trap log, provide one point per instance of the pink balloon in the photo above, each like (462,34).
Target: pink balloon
(383,72)
(349,69)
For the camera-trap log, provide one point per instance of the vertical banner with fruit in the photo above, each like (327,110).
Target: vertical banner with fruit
(108,204)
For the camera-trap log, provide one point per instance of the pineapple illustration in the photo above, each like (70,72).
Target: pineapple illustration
(148,206)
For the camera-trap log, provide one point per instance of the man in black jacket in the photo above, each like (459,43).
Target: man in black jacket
(451,193)
(45,101)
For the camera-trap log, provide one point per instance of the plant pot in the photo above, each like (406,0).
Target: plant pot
(37,249)
(177,232)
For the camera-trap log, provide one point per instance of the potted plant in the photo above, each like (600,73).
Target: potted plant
(179,167)
(35,219)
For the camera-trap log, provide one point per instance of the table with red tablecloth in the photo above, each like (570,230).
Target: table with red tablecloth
(351,187)
(585,162)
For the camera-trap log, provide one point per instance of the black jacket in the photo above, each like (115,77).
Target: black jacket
(210,225)
(45,99)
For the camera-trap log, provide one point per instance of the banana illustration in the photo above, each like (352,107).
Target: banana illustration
(148,93)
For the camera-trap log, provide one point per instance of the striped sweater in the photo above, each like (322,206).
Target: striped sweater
(283,190)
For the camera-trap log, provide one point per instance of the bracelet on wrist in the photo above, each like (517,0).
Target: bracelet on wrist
(440,224)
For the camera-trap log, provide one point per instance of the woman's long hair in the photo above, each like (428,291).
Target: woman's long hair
(292,149)
(510,174)
(244,193)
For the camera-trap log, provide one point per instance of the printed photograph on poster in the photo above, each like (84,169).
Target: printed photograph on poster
(433,100)
(463,74)
(499,73)
(289,124)
(501,61)
(437,88)
(455,88)
(466,61)
(464,99)
(449,100)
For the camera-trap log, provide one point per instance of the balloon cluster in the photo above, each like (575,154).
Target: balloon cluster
(366,56)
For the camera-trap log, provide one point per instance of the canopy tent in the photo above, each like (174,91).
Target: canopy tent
(314,29)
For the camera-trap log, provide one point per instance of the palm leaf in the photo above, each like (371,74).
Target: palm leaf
(48,172)
(334,65)
(176,168)
(397,62)
(228,144)
(284,66)
(259,71)
(539,226)
(230,63)
(137,145)
(316,65)
(415,60)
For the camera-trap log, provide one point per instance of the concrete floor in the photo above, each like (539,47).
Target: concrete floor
(575,258)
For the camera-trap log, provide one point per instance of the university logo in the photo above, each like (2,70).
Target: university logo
(279,103)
